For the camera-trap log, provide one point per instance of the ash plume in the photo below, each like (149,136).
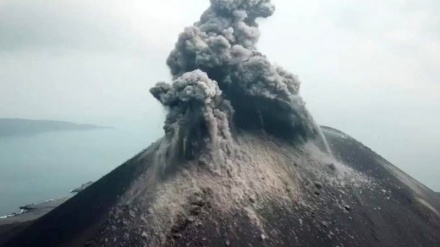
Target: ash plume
(222,82)
(196,112)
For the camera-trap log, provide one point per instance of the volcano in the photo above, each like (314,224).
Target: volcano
(280,195)
(241,163)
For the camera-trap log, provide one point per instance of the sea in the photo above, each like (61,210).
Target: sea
(39,167)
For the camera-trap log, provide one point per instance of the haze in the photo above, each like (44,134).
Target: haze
(369,68)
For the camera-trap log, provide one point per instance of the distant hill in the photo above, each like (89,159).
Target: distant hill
(18,127)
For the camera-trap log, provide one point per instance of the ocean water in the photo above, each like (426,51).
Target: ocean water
(44,166)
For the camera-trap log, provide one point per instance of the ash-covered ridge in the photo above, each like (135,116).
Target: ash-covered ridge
(222,83)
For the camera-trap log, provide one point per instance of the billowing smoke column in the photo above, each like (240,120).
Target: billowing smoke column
(198,116)
(223,84)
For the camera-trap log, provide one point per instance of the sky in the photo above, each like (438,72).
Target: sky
(369,68)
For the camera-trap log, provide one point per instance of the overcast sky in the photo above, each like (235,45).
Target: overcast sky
(369,68)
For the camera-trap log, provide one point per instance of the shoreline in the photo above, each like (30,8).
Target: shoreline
(33,211)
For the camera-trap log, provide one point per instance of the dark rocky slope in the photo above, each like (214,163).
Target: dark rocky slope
(279,195)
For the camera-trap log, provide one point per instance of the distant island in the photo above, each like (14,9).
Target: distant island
(19,127)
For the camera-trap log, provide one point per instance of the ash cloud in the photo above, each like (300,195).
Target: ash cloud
(217,71)
(197,112)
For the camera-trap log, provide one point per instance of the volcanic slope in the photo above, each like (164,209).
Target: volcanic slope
(278,195)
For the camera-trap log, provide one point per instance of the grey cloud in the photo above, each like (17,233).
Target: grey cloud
(196,109)
(222,44)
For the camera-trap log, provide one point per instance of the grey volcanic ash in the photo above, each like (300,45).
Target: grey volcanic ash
(222,83)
